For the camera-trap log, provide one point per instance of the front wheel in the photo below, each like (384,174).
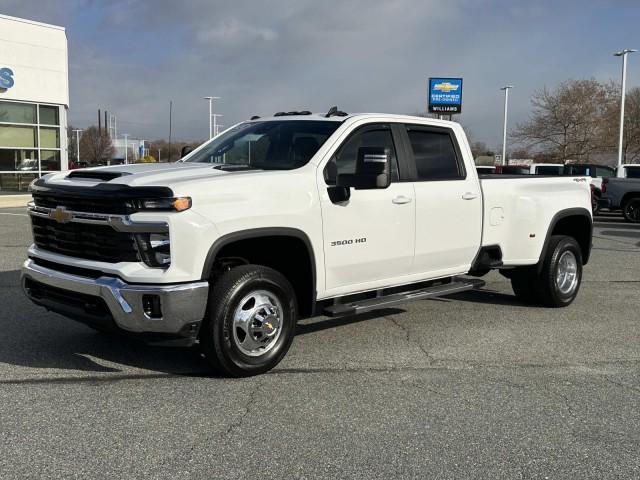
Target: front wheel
(250,322)
(631,210)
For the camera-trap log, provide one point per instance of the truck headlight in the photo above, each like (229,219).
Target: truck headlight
(177,204)
(155,249)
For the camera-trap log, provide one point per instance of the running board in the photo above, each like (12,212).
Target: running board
(361,306)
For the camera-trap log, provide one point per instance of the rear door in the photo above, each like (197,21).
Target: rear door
(448,203)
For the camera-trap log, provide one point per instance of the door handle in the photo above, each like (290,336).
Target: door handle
(469,196)
(400,199)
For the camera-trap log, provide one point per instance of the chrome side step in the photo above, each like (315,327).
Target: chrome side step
(361,306)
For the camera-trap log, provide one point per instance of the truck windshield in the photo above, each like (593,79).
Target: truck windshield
(271,145)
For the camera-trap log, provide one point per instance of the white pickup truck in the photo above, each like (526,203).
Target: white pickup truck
(292,216)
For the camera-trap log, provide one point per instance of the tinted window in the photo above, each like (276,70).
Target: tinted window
(633,172)
(551,170)
(580,170)
(514,170)
(344,161)
(604,172)
(435,155)
(272,145)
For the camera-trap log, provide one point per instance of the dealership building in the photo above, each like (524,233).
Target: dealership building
(34,99)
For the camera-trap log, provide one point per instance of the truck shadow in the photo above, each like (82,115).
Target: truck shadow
(32,337)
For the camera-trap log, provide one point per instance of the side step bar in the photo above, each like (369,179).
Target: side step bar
(361,306)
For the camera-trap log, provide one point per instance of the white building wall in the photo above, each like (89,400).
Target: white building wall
(36,53)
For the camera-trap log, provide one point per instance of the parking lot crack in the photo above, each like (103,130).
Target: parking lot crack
(623,385)
(251,399)
(410,340)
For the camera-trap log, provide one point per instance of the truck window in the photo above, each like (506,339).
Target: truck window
(344,161)
(632,172)
(604,172)
(551,170)
(434,154)
(515,170)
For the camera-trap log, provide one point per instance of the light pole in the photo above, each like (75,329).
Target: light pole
(211,99)
(126,149)
(622,54)
(504,129)
(159,159)
(77,130)
(216,126)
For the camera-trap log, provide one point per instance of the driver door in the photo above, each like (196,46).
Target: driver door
(369,238)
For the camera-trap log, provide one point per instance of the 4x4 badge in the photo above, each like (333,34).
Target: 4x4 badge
(61,215)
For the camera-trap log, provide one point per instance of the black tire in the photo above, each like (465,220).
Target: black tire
(595,203)
(546,285)
(523,285)
(218,342)
(631,210)
(538,284)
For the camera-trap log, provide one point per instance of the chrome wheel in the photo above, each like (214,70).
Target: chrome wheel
(567,273)
(257,323)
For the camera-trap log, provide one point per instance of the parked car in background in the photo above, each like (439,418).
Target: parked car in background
(622,194)
(485,169)
(597,173)
(532,169)
(631,171)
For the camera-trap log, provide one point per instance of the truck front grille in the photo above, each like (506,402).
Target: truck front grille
(84,203)
(92,242)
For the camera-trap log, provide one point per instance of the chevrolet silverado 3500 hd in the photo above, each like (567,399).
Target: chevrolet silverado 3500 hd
(291,216)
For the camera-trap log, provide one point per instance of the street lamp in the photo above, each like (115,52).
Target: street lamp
(126,149)
(622,54)
(504,129)
(216,126)
(211,99)
(77,130)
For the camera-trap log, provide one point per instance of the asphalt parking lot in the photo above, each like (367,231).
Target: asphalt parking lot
(470,386)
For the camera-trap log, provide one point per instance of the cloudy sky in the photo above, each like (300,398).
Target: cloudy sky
(132,56)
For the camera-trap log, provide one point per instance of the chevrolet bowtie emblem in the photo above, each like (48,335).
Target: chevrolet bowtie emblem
(61,215)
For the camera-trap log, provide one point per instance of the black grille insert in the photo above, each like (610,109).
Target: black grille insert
(92,242)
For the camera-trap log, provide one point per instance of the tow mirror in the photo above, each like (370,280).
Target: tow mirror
(372,170)
(186,150)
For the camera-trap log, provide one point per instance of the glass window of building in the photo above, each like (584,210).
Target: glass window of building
(30,142)
(13,112)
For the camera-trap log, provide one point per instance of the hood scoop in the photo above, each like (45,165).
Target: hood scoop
(104,176)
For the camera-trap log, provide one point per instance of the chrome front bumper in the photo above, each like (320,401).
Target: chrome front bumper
(183,306)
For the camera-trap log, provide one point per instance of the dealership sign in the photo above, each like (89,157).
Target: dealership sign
(445,95)
(6,78)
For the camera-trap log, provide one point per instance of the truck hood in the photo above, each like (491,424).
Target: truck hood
(142,174)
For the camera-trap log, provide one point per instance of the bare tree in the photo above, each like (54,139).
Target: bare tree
(95,146)
(567,122)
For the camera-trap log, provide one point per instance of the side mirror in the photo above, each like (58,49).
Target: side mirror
(186,150)
(372,170)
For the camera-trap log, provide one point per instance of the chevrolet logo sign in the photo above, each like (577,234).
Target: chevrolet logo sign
(61,215)
(445,87)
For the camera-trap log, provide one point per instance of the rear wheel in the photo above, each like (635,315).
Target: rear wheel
(631,210)
(556,282)
(250,322)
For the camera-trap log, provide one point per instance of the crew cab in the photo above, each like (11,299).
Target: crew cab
(292,216)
